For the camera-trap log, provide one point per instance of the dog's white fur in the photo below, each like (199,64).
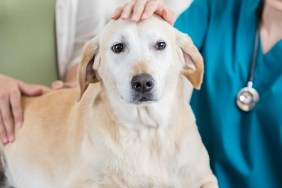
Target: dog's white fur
(105,138)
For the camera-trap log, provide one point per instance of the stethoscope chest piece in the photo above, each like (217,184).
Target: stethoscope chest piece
(247,98)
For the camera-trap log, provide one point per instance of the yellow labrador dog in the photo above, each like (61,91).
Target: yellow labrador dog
(129,126)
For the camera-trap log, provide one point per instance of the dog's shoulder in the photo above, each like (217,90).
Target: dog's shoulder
(51,98)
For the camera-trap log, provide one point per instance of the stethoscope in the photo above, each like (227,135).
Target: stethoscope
(248,96)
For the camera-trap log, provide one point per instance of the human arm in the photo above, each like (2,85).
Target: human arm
(69,81)
(11,114)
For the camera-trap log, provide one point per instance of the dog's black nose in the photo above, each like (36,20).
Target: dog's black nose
(142,83)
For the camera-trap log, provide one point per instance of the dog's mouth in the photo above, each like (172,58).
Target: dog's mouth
(143,98)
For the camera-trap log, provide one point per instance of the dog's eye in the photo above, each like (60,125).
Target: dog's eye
(118,48)
(160,45)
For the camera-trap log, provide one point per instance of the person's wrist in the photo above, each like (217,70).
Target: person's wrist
(71,74)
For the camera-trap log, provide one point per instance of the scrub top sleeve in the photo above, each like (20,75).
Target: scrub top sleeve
(194,21)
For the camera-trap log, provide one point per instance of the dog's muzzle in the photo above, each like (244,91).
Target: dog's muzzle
(142,85)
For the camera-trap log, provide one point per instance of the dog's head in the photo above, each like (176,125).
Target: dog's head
(140,62)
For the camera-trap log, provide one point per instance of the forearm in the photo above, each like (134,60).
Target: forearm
(71,74)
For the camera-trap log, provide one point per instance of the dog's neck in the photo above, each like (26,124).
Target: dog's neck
(156,115)
(157,131)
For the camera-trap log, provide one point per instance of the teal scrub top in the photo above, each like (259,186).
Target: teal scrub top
(245,148)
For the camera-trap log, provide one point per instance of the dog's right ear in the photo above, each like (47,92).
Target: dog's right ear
(86,72)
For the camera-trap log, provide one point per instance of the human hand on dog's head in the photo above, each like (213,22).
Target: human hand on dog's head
(11,114)
(137,10)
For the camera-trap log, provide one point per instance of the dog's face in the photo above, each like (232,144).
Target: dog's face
(140,62)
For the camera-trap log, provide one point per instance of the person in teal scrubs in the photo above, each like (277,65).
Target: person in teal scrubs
(245,147)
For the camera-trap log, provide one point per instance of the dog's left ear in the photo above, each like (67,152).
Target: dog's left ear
(193,67)
(90,59)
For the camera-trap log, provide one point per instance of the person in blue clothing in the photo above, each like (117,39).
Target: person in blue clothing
(238,108)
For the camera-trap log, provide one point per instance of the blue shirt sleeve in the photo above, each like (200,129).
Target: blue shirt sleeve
(194,21)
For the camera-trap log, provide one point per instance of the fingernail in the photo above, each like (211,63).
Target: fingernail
(134,18)
(123,16)
(58,85)
(5,140)
(18,124)
(144,16)
(11,139)
(114,14)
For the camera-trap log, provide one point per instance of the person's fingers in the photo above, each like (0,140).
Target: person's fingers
(28,90)
(127,10)
(169,16)
(58,84)
(150,8)
(117,13)
(3,134)
(7,119)
(143,9)
(15,100)
(160,9)
(138,10)
(71,84)
(10,126)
